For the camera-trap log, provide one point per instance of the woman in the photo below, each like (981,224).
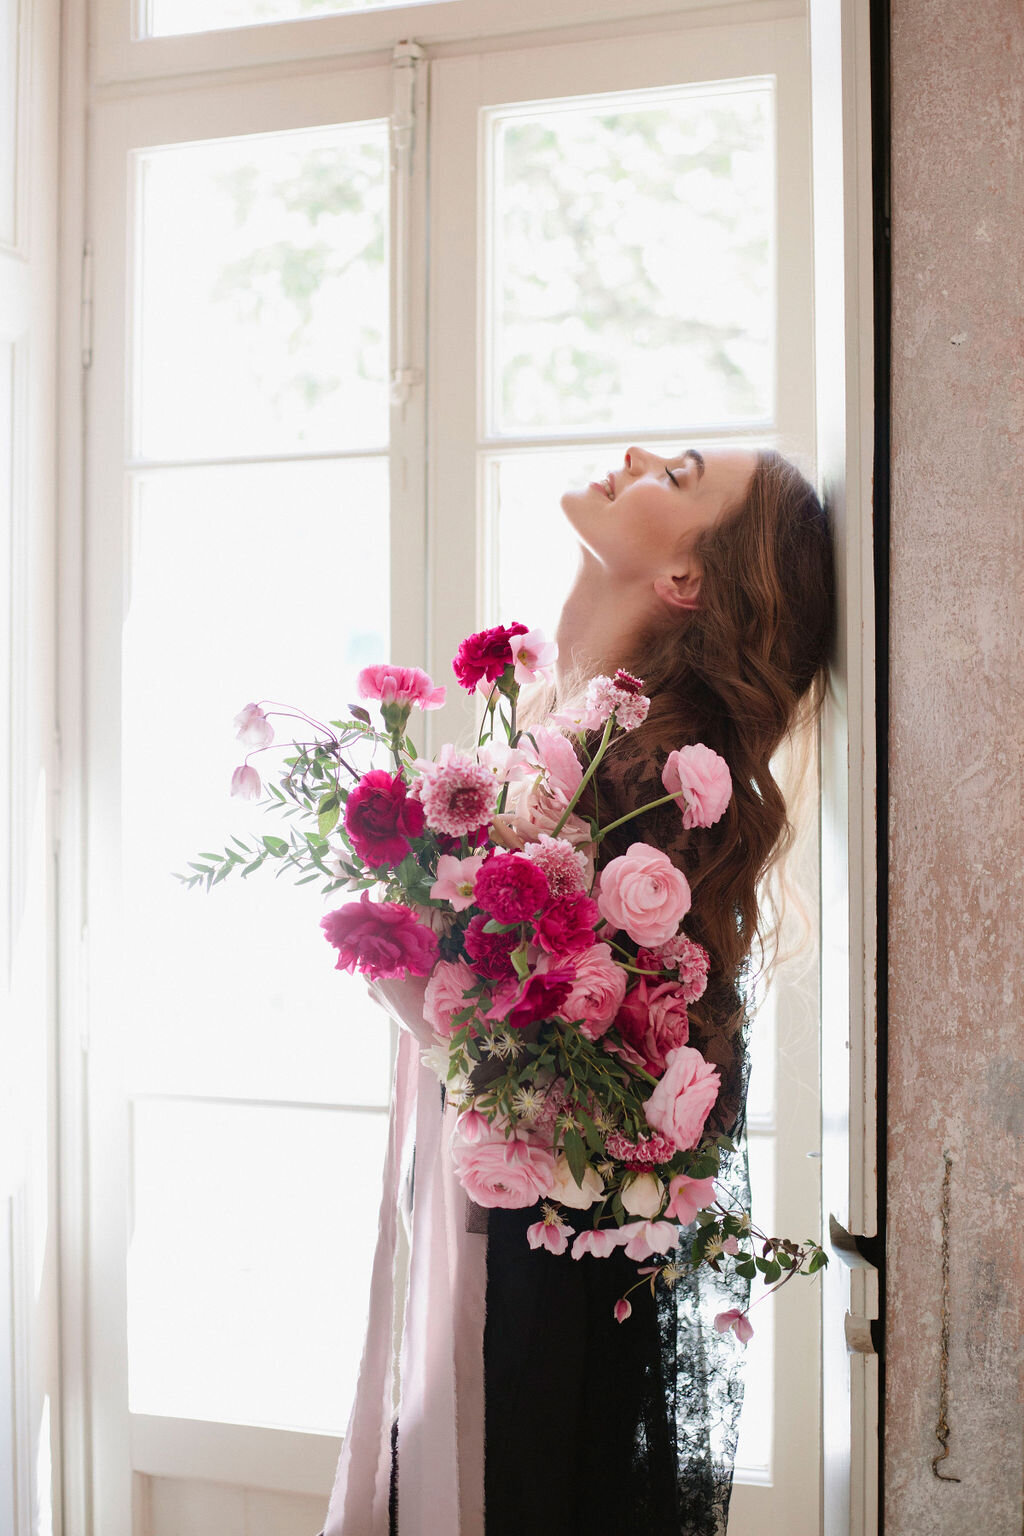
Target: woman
(709,576)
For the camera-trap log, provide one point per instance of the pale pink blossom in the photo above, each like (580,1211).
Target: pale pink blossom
(643,893)
(702,778)
(549,1233)
(579,1197)
(458,795)
(495,1172)
(533,654)
(550,753)
(736,1320)
(445,997)
(731,1245)
(471,1127)
(399,685)
(605,698)
(245,783)
(649,1237)
(566,870)
(643,1195)
(252,727)
(599,1241)
(455,878)
(683,1099)
(622,1310)
(687,1196)
(597,991)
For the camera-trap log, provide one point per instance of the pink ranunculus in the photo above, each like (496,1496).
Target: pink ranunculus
(621,1310)
(485,655)
(489,953)
(510,1174)
(445,994)
(399,685)
(703,779)
(736,1320)
(687,1196)
(566,927)
(543,996)
(649,1237)
(683,1099)
(655,1021)
(643,892)
(510,888)
(455,878)
(599,1241)
(553,1235)
(381,818)
(597,991)
(252,727)
(533,653)
(380,939)
(245,783)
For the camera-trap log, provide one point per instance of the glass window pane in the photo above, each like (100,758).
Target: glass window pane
(262,295)
(168,18)
(632,261)
(757,1421)
(247,583)
(250,1259)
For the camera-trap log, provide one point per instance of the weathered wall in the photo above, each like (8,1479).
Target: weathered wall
(956,1074)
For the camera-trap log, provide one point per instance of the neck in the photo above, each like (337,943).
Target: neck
(599,624)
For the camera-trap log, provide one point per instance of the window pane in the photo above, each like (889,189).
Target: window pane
(632,262)
(249,1267)
(247,583)
(757,1421)
(262,298)
(167,18)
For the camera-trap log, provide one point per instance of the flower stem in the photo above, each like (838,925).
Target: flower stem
(609,724)
(638,812)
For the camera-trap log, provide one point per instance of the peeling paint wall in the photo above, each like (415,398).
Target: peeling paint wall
(956,1029)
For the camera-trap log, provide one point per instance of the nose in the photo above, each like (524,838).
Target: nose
(636,460)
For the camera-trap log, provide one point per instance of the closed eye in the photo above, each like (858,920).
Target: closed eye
(671,476)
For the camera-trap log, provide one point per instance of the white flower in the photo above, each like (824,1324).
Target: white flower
(643,1196)
(565,1189)
(435,1058)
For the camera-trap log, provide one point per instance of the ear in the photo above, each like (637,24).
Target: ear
(680,593)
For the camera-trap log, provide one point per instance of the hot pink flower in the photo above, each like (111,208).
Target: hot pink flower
(648,1237)
(600,1241)
(687,1196)
(643,892)
(495,1172)
(245,783)
(485,655)
(252,727)
(566,927)
(736,1320)
(399,685)
(690,959)
(683,1099)
(549,1233)
(622,1310)
(458,795)
(597,991)
(445,994)
(655,1021)
(702,779)
(489,953)
(533,654)
(455,878)
(564,869)
(510,888)
(542,997)
(380,939)
(381,818)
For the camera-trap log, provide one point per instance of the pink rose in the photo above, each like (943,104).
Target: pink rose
(644,893)
(380,939)
(655,1021)
(683,1099)
(687,1196)
(245,783)
(703,780)
(445,994)
(495,1172)
(597,991)
(567,926)
(399,685)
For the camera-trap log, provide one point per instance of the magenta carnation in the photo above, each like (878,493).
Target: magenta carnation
(485,655)
(567,926)
(380,818)
(380,939)
(510,888)
(488,953)
(541,997)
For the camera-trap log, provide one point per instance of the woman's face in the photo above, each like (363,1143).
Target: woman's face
(643,519)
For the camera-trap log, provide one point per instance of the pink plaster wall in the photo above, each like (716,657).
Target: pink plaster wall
(956,1072)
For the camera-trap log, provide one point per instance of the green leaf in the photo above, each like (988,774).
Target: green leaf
(359,713)
(493,926)
(219,876)
(746,1269)
(595,1140)
(327,816)
(519,960)
(254,865)
(819,1261)
(276,845)
(773,1272)
(575,1154)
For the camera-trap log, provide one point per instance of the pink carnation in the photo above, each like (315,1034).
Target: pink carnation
(692,961)
(399,685)
(542,997)
(683,1099)
(654,1020)
(564,869)
(489,952)
(458,795)
(597,991)
(445,994)
(380,939)
(567,926)
(644,893)
(604,698)
(485,655)
(510,888)
(495,1172)
(702,779)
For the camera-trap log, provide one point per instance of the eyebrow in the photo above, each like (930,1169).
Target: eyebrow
(698,459)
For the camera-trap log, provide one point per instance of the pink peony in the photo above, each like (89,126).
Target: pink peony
(445,994)
(245,783)
(690,959)
(542,997)
(455,878)
(403,686)
(458,795)
(380,939)
(655,1021)
(533,654)
(510,888)
(703,780)
(648,1237)
(549,1233)
(564,869)
(738,1321)
(489,953)
(484,656)
(683,1099)
(381,818)
(567,926)
(600,1241)
(643,892)
(252,727)
(687,1196)
(495,1172)
(597,991)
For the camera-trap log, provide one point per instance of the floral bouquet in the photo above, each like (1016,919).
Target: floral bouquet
(557,996)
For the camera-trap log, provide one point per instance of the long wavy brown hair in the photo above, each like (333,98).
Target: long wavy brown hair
(742,673)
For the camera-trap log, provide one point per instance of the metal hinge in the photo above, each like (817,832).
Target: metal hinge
(86,316)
